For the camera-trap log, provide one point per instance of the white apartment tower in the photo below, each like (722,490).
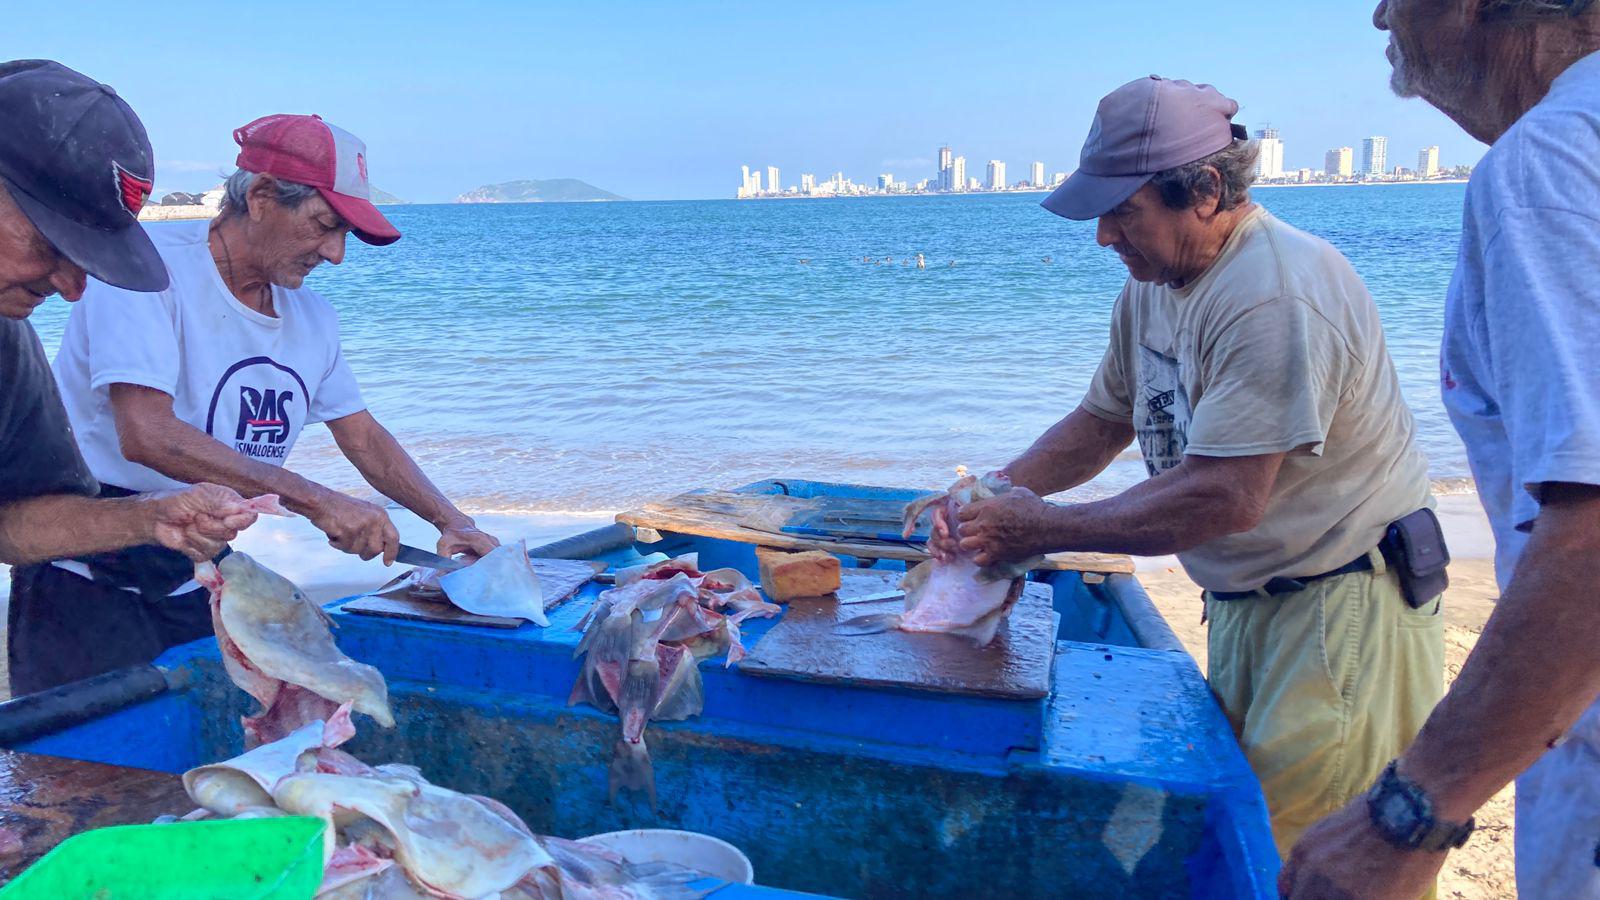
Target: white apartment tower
(958,174)
(744,182)
(1428,162)
(997,175)
(1374,155)
(772,179)
(1339,162)
(1269,154)
(808,183)
(1036,174)
(946,183)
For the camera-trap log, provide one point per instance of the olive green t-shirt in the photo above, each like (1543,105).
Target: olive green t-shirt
(1276,348)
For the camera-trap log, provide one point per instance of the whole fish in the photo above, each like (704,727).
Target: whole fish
(276,646)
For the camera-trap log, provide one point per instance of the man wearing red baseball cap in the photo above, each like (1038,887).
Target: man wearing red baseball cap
(213,379)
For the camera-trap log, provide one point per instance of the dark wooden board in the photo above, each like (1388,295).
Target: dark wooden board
(1014,666)
(760,519)
(559,580)
(46,799)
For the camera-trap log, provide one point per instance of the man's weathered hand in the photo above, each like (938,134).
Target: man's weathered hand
(199,520)
(1010,527)
(356,526)
(463,536)
(1344,856)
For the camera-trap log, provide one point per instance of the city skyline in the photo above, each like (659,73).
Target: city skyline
(1338,164)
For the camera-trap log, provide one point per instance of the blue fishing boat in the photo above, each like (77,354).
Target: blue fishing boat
(1085,757)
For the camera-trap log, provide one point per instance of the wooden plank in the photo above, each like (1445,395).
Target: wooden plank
(758,518)
(1014,666)
(46,799)
(559,580)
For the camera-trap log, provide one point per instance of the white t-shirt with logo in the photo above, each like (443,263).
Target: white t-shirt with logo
(249,380)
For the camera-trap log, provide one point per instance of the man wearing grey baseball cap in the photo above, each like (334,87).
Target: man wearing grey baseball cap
(1248,360)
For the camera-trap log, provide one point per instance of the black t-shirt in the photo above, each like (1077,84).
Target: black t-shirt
(38,454)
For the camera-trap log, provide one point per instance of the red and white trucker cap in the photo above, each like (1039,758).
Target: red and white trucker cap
(307,150)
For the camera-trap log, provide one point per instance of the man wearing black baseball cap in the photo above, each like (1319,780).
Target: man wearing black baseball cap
(75,167)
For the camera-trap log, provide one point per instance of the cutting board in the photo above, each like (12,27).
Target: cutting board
(855,518)
(761,518)
(1014,666)
(559,579)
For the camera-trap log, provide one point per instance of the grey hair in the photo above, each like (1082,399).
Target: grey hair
(1185,186)
(1524,10)
(234,191)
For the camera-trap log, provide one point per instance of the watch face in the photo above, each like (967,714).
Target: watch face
(1395,809)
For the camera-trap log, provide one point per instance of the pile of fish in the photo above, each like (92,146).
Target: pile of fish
(641,643)
(953,595)
(393,835)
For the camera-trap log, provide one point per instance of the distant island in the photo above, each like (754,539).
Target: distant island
(384,198)
(551,190)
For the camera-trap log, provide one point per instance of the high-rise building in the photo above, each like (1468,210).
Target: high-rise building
(946,182)
(1036,174)
(744,182)
(885,182)
(755,182)
(972,183)
(772,179)
(958,174)
(808,183)
(1374,155)
(1269,153)
(1339,162)
(1428,162)
(997,175)
(1057,178)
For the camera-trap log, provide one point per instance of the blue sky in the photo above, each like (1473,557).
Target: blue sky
(665,100)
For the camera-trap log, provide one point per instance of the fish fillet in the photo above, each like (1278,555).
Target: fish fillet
(502,583)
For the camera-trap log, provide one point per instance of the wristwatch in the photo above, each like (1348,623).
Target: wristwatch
(1403,813)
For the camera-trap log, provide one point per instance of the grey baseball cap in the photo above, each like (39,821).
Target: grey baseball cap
(1144,127)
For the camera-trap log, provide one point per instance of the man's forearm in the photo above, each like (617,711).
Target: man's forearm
(59,526)
(1533,672)
(1168,514)
(184,453)
(1070,453)
(392,472)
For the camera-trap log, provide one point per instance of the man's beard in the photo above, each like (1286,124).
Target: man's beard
(1401,80)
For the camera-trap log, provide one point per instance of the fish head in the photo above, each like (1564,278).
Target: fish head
(245,579)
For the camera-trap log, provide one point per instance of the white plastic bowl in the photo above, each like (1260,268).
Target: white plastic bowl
(700,852)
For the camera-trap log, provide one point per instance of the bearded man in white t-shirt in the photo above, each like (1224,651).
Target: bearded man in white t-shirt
(212,380)
(1519,368)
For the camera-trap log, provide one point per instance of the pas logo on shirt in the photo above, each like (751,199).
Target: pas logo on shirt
(263,407)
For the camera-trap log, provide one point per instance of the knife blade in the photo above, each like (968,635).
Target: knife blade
(416,556)
(873,598)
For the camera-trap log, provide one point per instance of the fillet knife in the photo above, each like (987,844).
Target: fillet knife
(416,556)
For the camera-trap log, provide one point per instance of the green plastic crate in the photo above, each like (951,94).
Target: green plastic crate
(248,859)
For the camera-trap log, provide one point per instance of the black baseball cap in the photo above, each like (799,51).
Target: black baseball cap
(77,162)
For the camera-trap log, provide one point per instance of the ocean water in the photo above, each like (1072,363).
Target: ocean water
(585,357)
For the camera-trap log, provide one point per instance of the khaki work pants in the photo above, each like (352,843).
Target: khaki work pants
(1324,686)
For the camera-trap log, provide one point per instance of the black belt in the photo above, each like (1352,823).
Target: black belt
(1282,585)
